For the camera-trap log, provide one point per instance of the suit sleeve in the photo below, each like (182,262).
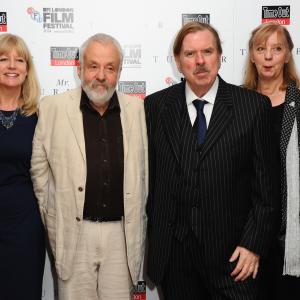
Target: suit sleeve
(39,164)
(259,228)
(151,159)
(146,161)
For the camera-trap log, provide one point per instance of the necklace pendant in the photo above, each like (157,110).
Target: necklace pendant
(8,121)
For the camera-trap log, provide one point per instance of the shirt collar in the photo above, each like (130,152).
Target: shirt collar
(210,96)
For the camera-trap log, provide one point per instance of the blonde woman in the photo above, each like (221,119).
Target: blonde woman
(271,71)
(22,250)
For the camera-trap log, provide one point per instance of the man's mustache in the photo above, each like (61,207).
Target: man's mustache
(95,83)
(200,69)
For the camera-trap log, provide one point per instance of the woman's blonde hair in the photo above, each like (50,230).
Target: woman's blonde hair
(259,36)
(30,91)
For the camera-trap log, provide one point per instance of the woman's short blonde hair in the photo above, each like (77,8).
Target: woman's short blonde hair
(30,91)
(259,36)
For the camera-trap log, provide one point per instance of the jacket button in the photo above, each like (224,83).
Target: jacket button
(80,189)
(77,219)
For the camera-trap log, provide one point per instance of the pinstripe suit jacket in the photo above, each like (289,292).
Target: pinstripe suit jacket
(226,188)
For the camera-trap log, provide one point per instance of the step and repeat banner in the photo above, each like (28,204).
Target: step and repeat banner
(55,29)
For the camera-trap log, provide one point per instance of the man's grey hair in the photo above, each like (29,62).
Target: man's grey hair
(101,38)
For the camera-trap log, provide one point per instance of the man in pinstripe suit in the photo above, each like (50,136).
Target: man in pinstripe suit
(211,204)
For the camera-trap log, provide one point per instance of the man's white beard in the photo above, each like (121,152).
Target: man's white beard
(99,99)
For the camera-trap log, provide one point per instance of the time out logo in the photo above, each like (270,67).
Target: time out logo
(201,18)
(3,22)
(280,14)
(64,56)
(134,88)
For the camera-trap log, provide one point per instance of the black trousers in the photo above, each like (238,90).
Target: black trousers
(188,276)
(275,285)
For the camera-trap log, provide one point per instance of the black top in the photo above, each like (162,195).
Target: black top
(22,236)
(105,160)
(277,115)
(16,192)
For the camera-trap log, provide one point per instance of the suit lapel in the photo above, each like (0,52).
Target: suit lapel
(75,118)
(126,121)
(172,116)
(221,116)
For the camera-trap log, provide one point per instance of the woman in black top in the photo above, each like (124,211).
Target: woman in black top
(271,71)
(22,249)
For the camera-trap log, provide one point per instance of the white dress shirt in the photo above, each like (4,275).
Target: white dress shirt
(210,97)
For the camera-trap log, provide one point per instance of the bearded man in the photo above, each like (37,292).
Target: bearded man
(90,175)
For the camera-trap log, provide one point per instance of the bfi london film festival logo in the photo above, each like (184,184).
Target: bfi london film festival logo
(201,18)
(3,21)
(64,56)
(132,56)
(280,14)
(133,88)
(58,20)
(54,19)
(35,15)
(169,81)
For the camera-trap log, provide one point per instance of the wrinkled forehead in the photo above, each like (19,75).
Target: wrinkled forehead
(198,39)
(102,51)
